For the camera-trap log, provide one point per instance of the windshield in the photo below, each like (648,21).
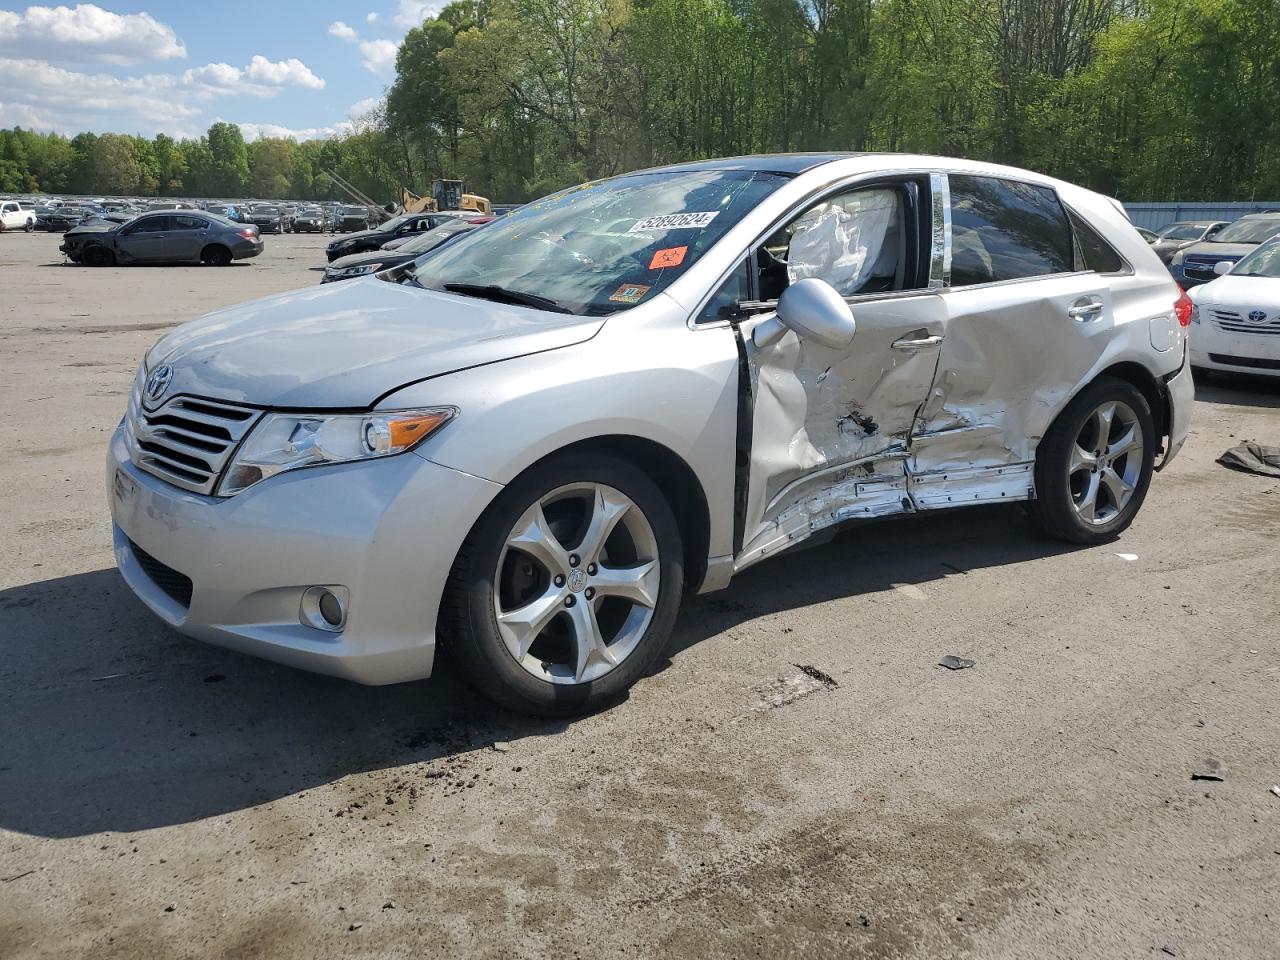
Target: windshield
(1181,231)
(1248,231)
(267,211)
(603,246)
(1263,262)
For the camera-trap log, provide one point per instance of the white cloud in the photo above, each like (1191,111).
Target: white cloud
(379,55)
(283,73)
(342,31)
(86,33)
(256,131)
(362,107)
(411,13)
(370,18)
(261,78)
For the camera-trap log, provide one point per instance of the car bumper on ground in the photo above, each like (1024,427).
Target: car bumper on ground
(1214,349)
(234,571)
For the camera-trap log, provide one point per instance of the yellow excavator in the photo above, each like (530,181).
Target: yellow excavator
(445,195)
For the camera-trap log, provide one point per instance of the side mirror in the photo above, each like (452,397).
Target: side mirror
(815,311)
(1223,267)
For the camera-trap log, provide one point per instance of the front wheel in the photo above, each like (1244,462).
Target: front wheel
(31,225)
(567,588)
(97,256)
(1095,463)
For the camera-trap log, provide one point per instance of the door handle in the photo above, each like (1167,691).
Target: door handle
(908,343)
(1086,309)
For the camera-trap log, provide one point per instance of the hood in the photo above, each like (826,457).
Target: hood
(95,225)
(344,345)
(389,257)
(255,217)
(1220,250)
(1242,294)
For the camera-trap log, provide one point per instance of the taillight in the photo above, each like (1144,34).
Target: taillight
(249,232)
(1182,308)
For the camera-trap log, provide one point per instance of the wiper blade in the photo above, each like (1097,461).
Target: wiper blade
(491,291)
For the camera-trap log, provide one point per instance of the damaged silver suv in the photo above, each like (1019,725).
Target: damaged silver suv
(528,446)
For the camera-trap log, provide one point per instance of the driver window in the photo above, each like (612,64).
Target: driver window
(855,241)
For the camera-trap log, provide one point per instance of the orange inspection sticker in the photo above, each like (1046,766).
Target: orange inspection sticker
(629,293)
(670,257)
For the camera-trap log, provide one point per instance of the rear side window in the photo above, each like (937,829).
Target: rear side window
(1092,252)
(1004,230)
(190,223)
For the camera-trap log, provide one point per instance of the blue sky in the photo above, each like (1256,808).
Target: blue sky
(299,68)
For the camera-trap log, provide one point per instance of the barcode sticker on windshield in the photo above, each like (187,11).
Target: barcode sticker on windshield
(675,221)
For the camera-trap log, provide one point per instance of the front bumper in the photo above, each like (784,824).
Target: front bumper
(1214,349)
(386,530)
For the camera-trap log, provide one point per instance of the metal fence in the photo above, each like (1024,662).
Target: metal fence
(1156,215)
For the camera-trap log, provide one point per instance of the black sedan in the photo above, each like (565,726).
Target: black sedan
(267,219)
(363,264)
(60,219)
(402,226)
(175,236)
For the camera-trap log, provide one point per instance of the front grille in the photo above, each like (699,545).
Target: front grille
(1232,321)
(176,585)
(1255,363)
(1203,264)
(187,441)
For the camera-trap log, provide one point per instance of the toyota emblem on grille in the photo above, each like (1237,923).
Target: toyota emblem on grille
(1257,316)
(158,381)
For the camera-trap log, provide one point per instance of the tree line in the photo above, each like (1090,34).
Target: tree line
(1141,99)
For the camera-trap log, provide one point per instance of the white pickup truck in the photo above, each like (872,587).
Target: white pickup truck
(14,217)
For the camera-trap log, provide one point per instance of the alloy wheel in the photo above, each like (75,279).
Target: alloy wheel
(1106,462)
(577,583)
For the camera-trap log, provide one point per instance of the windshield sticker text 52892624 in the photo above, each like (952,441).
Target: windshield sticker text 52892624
(675,221)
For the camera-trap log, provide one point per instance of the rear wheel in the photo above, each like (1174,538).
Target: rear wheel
(98,256)
(1095,463)
(567,588)
(215,255)
(30,225)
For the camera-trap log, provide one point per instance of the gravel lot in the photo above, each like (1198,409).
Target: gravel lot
(799,779)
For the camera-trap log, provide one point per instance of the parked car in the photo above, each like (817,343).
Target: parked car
(363,264)
(346,219)
(406,225)
(66,217)
(309,220)
(14,217)
(184,236)
(634,388)
(1195,264)
(268,219)
(230,211)
(1236,321)
(1173,237)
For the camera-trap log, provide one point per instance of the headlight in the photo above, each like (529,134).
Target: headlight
(289,441)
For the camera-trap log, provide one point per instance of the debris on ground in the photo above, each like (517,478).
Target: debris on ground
(1209,769)
(1127,556)
(502,746)
(957,663)
(816,674)
(1275,790)
(1253,458)
(16,876)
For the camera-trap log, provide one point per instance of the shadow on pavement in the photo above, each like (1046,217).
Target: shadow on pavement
(1238,389)
(116,723)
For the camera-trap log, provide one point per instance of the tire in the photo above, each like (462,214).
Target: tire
(215,255)
(98,256)
(1085,498)
(30,226)
(561,673)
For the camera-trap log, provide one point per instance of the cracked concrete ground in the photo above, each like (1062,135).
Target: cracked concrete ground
(161,798)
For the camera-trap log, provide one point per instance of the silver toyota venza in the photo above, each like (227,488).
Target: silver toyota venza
(530,445)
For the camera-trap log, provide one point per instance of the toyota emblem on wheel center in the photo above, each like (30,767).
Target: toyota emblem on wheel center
(158,381)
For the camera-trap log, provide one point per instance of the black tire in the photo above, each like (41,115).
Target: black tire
(1054,508)
(215,255)
(469,632)
(98,256)
(30,226)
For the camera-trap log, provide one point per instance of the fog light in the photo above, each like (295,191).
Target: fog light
(324,608)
